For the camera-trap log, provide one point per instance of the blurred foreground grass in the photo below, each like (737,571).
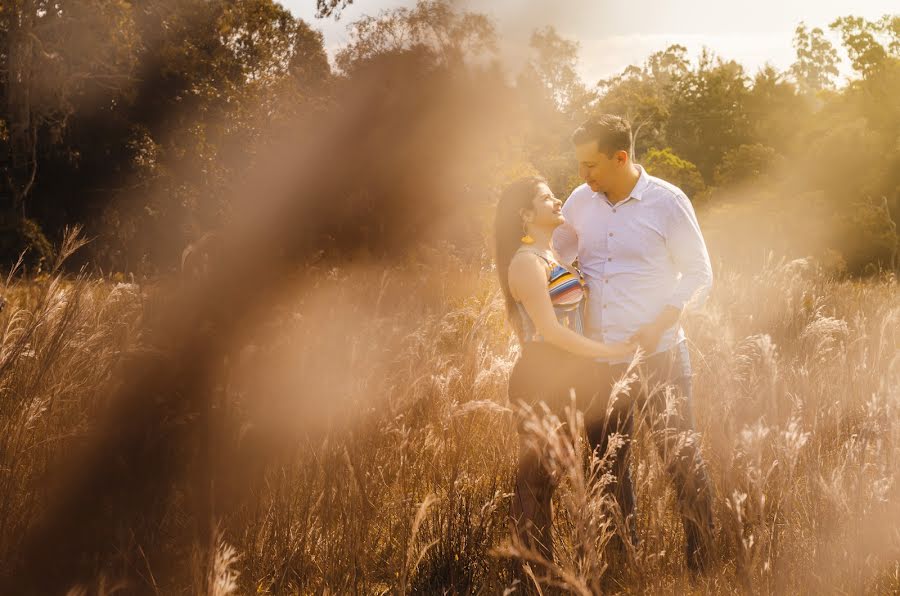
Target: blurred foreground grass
(366,445)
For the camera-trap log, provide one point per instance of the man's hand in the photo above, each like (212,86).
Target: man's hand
(620,350)
(649,335)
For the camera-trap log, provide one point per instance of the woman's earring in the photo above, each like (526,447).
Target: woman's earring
(526,237)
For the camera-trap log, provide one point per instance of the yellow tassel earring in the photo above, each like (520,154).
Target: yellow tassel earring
(526,237)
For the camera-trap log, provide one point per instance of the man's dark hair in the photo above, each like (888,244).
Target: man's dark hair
(612,133)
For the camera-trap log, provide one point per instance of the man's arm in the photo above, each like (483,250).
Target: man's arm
(688,252)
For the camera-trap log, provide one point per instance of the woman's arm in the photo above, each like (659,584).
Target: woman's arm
(528,283)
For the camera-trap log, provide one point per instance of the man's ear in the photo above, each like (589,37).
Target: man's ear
(621,156)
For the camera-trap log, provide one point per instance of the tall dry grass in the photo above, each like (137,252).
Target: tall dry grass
(365,443)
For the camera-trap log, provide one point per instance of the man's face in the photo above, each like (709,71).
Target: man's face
(596,168)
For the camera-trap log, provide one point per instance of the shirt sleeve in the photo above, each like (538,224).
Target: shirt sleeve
(565,238)
(689,254)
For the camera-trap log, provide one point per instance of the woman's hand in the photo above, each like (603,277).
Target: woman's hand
(620,350)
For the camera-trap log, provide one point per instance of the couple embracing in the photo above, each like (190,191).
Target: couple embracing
(586,283)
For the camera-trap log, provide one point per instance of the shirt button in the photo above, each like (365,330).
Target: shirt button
(606,281)
(609,259)
(610,234)
(614,210)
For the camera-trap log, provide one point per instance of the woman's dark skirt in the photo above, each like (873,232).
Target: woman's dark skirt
(546,373)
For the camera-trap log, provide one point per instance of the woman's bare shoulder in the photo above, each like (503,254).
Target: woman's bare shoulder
(527,259)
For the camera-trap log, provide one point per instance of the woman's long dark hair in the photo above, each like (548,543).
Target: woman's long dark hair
(508,235)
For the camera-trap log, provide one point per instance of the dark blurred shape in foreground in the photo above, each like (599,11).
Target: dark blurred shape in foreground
(396,145)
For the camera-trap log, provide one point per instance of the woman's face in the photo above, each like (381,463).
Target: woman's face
(545,210)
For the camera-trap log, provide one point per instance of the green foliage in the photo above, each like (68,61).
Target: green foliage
(136,120)
(708,112)
(869,236)
(779,112)
(664,164)
(817,60)
(143,116)
(25,237)
(433,28)
(553,102)
(643,96)
(326,8)
(745,163)
(865,41)
(553,69)
(810,169)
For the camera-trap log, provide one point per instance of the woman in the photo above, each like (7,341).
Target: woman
(545,304)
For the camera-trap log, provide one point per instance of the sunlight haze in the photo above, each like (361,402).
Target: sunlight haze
(614,35)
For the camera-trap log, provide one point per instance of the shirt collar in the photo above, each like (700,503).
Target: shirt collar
(639,187)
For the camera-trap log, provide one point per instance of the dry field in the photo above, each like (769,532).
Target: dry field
(364,444)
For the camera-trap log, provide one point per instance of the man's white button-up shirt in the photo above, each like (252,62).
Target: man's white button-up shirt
(638,256)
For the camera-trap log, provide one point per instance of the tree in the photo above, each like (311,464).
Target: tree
(309,63)
(57,56)
(554,100)
(709,112)
(778,114)
(863,40)
(225,74)
(642,95)
(553,69)
(817,60)
(433,29)
(326,8)
(137,114)
(869,236)
(680,172)
(745,163)
(21,164)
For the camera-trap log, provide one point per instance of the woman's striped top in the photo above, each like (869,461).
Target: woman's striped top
(568,294)
(566,288)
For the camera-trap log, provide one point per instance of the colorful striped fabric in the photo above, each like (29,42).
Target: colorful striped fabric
(565,287)
(567,293)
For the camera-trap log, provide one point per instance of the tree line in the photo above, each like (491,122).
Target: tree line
(135,119)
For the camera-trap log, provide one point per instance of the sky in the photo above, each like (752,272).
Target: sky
(616,33)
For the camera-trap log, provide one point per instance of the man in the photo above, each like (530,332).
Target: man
(639,245)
